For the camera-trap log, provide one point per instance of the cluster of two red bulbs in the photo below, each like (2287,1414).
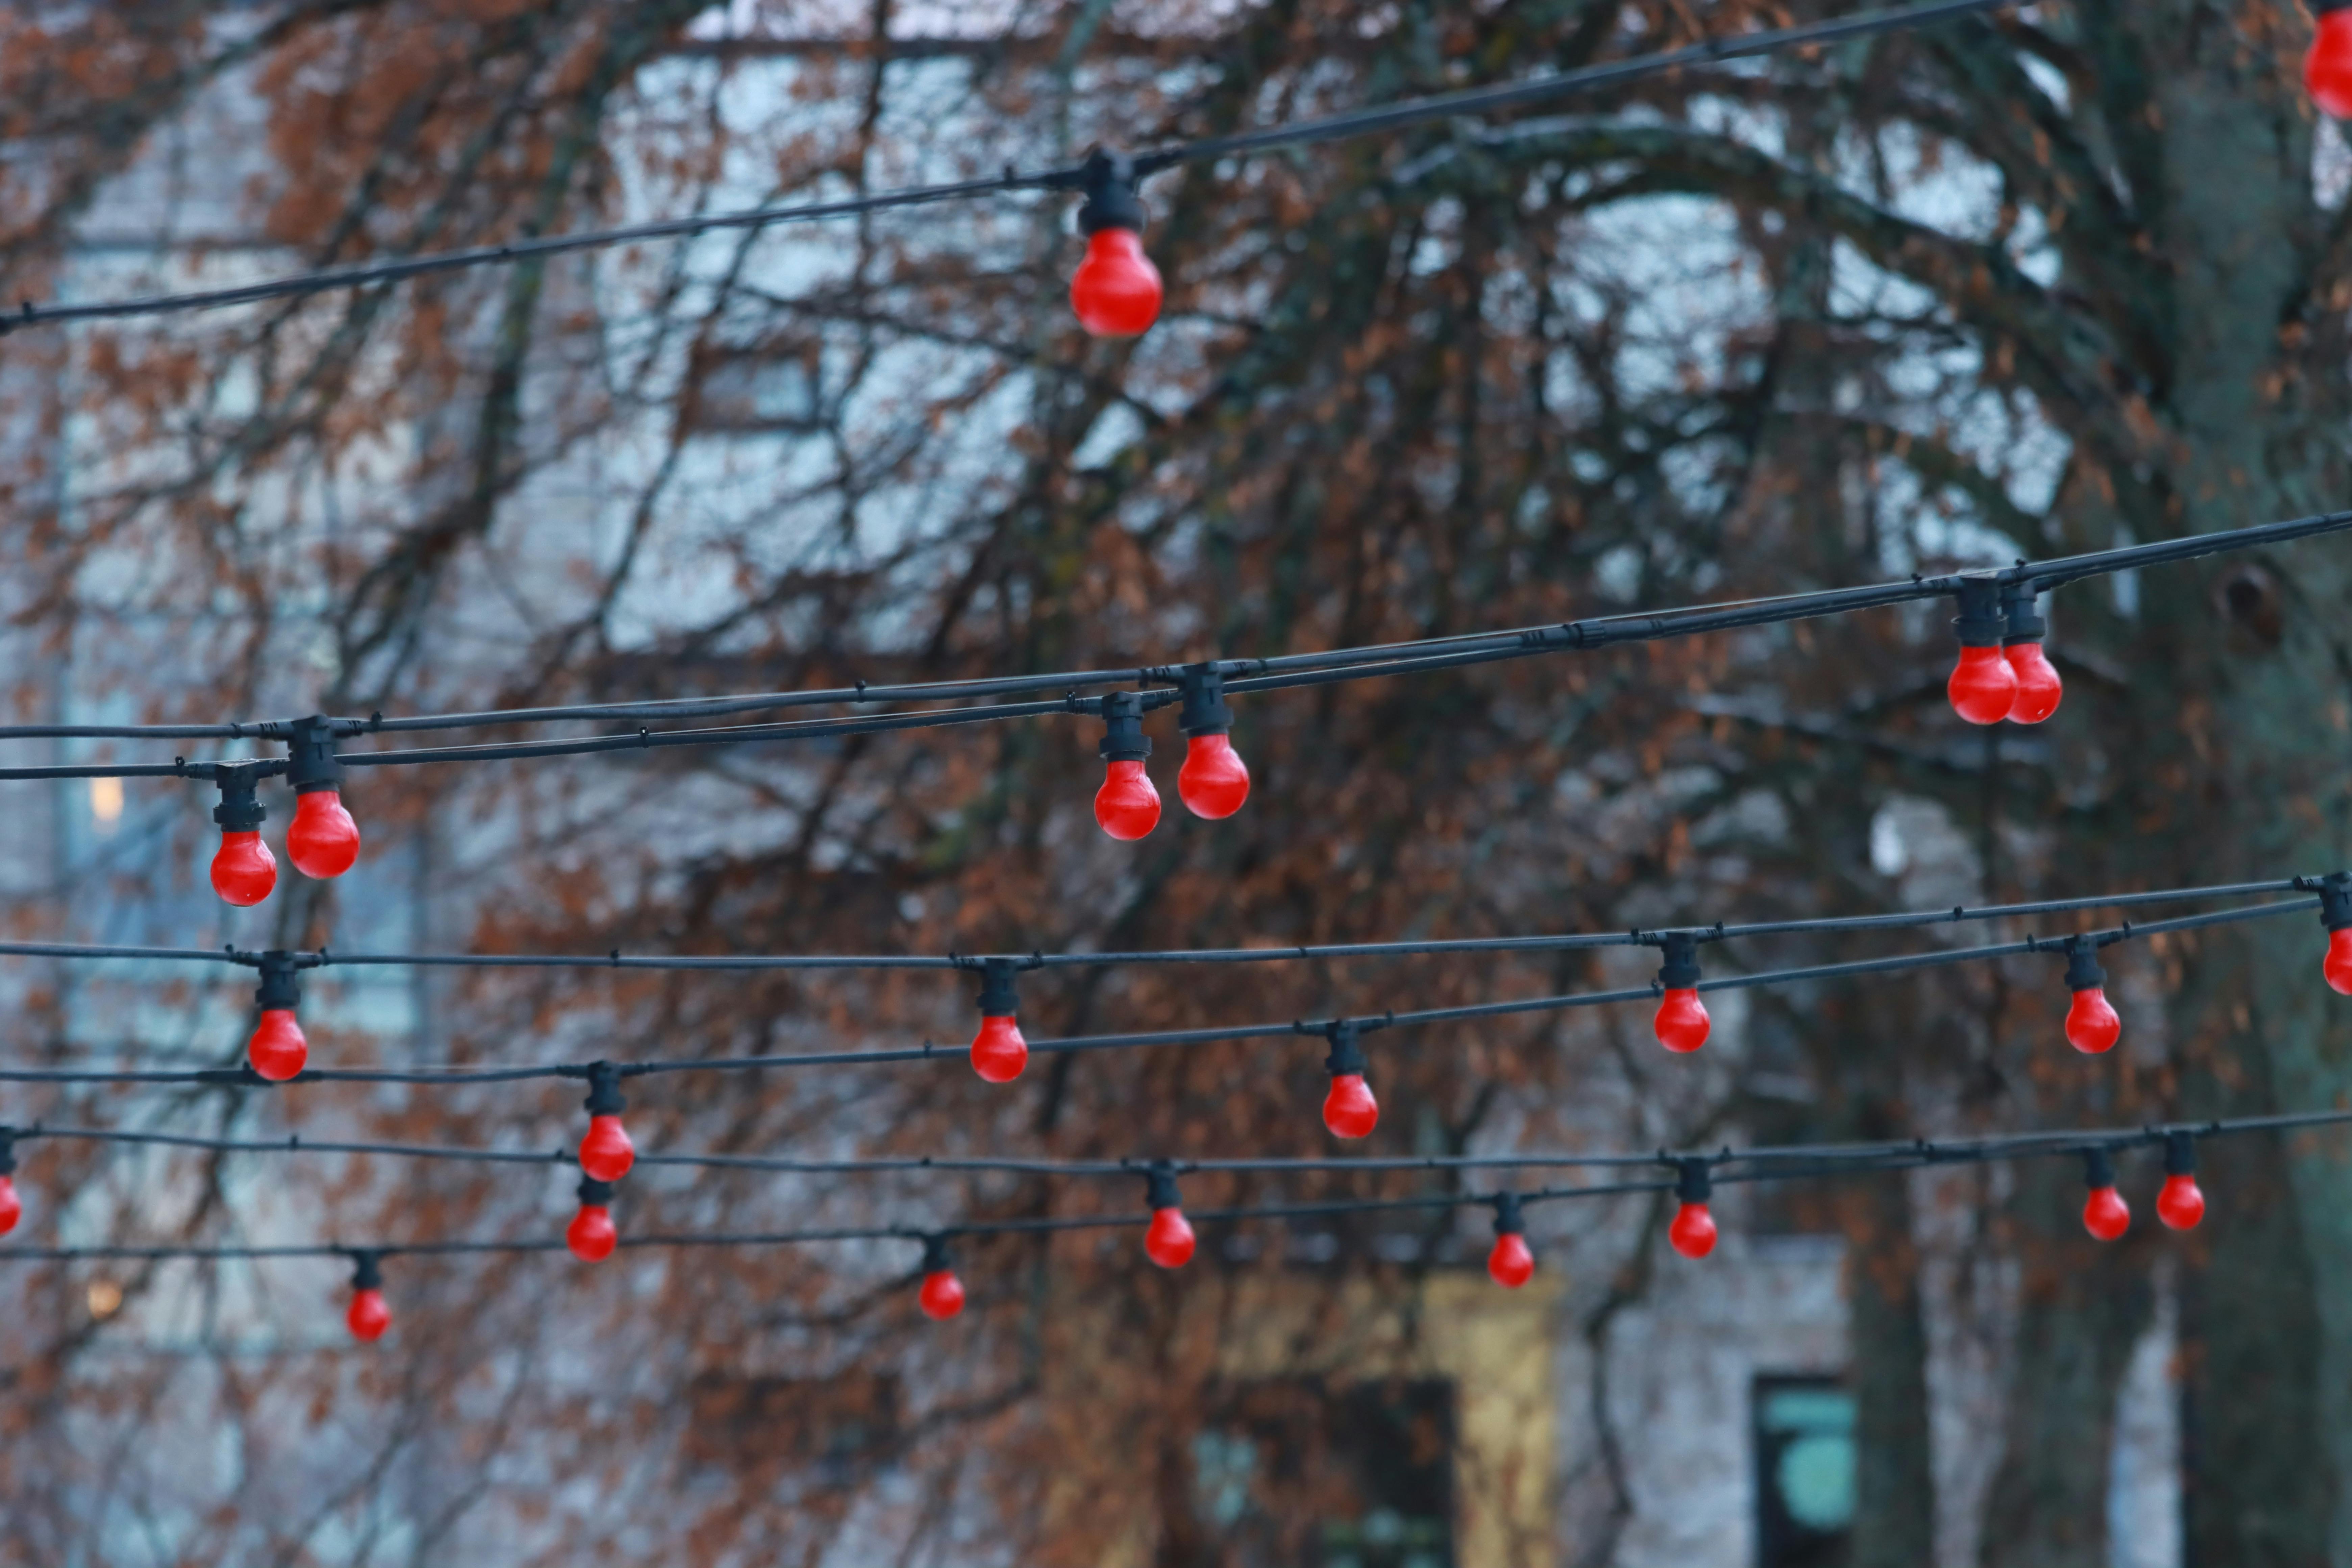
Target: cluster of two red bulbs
(322,841)
(2003,672)
(2180,1203)
(606,1156)
(1214,781)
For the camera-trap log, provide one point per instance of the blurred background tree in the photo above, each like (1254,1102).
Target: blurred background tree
(2063,278)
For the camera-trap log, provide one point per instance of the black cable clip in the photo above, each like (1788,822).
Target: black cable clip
(1679,972)
(1204,712)
(2335,888)
(310,761)
(2082,971)
(1112,199)
(604,1090)
(1694,1183)
(1346,1055)
(367,1271)
(1160,1186)
(1979,622)
(240,809)
(281,989)
(1507,1218)
(936,1259)
(998,999)
(1123,739)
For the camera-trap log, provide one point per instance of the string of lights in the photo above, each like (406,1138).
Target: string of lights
(1109,290)
(1170,1239)
(2002,674)
(998,1052)
(277,1051)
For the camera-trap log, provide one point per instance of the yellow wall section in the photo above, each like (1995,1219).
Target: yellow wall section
(1493,1344)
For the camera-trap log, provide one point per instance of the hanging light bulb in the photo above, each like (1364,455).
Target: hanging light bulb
(12,1207)
(998,1051)
(2336,914)
(1681,1023)
(1982,687)
(605,1152)
(2328,69)
(592,1236)
(2180,1204)
(942,1297)
(323,839)
(1509,1264)
(243,868)
(1126,805)
(2092,1025)
(2104,1213)
(276,1047)
(368,1317)
(1116,291)
(2038,686)
(1213,782)
(1693,1231)
(1349,1109)
(1169,1240)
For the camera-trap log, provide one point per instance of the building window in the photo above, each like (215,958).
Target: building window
(1805,1472)
(1298,1471)
(770,386)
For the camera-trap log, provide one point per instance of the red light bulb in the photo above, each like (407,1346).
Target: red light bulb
(1682,1021)
(2338,967)
(2104,1213)
(998,1051)
(1350,1111)
(368,1317)
(2328,69)
(323,839)
(244,871)
(277,1049)
(606,1153)
(12,1207)
(1116,290)
(1126,805)
(1169,1242)
(1692,1232)
(2180,1204)
(2092,1025)
(1213,782)
(591,1235)
(1982,687)
(941,1295)
(2038,686)
(1510,1264)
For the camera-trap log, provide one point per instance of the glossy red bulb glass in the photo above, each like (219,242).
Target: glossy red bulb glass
(2105,1215)
(1682,1021)
(2338,967)
(1126,805)
(323,839)
(2328,69)
(1510,1264)
(244,871)
(2180,1204)
(606,1153)
(941,1295)
(368,1317)
(998,1051)
(277,1049)
(2038,686)
(1350,1111)
(1116,290)
(1213,782)
(2092,1025)
(12,1207)
(1169,1242)
(1983,688)
(591,1235)
(1692,1232)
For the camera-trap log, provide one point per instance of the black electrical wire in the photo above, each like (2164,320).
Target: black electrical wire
(325,958)
(1785,1162)
(1238,676)
(1304,132)
(453,1074)
(1917,1150)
